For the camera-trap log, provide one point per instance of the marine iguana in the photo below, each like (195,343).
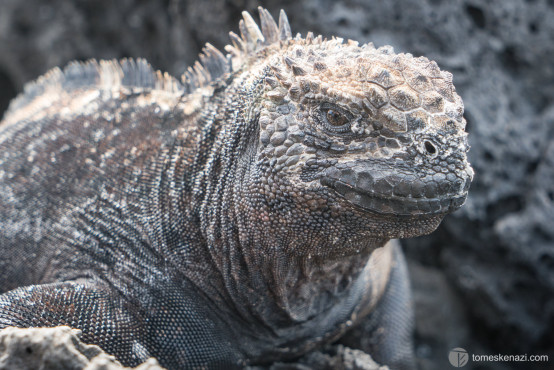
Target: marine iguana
(237,216)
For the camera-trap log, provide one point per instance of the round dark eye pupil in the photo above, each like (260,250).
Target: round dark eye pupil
(335,118)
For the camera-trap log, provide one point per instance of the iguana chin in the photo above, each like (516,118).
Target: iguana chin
(238,216)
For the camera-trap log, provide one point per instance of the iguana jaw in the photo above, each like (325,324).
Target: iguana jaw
(399,194)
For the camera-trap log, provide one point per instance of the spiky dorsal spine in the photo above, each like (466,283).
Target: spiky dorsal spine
(213,64)
(101,75)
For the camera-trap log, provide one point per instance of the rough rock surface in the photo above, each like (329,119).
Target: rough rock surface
(56,348)
(60,348)
(332,357)
(495,257)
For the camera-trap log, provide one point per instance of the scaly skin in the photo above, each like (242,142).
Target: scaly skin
(239,217)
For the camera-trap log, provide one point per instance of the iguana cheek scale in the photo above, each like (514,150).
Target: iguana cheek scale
(239,215)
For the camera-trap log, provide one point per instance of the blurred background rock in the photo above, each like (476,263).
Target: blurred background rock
(485,280)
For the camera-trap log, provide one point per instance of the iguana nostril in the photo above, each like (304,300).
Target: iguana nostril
(430,148)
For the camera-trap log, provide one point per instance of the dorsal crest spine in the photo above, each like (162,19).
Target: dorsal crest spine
(214,65)
(139,74)
(103,75)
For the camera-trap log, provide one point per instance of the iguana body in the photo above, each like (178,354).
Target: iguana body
(238,216)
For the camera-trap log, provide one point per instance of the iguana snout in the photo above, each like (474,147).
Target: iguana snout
(373,185)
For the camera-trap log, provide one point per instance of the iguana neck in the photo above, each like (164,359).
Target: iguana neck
(262,281)
(257,270)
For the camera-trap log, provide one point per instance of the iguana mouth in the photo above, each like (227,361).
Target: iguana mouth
(402,195)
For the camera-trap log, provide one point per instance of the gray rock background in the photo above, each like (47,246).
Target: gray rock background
(485,280)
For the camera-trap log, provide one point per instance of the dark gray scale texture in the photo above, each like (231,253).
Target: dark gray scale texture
(240,216)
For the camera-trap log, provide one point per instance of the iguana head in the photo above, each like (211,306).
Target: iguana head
(370,139)
(384,131)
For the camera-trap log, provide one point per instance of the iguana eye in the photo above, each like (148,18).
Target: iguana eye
(334,118)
